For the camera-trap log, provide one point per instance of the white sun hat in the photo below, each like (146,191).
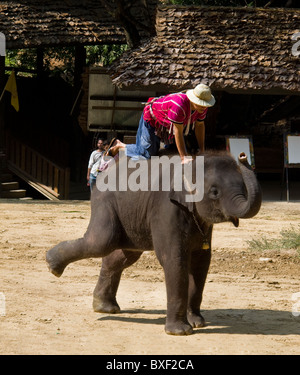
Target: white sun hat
(201,95)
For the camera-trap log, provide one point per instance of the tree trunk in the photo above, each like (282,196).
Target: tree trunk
(121,11)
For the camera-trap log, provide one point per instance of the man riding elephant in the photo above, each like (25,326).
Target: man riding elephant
(166,118)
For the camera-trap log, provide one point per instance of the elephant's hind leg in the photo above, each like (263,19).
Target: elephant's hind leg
(110,275)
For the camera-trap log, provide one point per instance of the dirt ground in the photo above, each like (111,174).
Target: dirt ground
(247,299)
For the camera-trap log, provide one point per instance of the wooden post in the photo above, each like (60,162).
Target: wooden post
(2,129)
(80,63)
(67,183)
(78,142)
(39,61)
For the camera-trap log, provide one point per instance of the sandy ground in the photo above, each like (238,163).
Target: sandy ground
(247,301)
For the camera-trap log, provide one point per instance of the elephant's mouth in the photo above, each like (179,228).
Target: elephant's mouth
(219,217)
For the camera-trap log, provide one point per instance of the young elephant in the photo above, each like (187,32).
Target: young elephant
(125,223)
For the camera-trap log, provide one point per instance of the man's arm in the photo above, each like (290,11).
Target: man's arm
(88,173)
(200,134)
(179,140)
(90,164)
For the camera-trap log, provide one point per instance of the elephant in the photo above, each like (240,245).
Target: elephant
(123,224)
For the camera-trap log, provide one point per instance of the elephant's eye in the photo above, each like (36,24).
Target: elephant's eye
(214,193)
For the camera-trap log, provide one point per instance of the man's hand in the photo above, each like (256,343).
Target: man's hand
(186,160)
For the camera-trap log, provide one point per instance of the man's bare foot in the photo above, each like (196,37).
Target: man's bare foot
(115,147)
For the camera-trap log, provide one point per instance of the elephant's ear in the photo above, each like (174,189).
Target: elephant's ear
(183,190)
(179,198)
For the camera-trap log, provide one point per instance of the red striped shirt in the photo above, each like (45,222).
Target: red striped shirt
(172,108)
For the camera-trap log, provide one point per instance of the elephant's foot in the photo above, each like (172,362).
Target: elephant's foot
(55,267)
(105,306)
(196,320)
(178,329)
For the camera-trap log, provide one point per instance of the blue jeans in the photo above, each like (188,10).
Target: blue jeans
(92,181)
(147,142)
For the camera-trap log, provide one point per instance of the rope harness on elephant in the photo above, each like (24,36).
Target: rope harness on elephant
(204,233)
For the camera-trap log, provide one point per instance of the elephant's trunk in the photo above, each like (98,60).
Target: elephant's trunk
(245,204)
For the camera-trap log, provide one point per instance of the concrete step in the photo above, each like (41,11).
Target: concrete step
(10,188)
(16,193)
(9,185)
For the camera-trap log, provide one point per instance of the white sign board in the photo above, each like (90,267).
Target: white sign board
(2,44)
(293,143)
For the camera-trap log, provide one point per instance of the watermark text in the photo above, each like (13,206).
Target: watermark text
(296,304)
(159,173)
(2,304)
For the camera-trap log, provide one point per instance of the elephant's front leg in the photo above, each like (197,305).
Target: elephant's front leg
(109,279)
(95,243)
(200,261)
(175,265)
(64,253)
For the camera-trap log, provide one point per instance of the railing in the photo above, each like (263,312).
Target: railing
(42,174)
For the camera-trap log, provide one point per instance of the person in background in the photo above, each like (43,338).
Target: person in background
(169,118)
(94,162)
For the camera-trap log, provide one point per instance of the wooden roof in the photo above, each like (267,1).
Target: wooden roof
(32,23)
(226,48)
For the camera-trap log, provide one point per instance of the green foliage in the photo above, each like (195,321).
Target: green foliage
(289,239)
(104,54)
(21,57)
(60,60)
(230,3)
(206,2)
(57,61)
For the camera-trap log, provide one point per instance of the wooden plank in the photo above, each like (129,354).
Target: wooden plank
(50,176)
(64,183)
(28,163)
(55,180)
(67,183)
(9,148)
(18,153)
(33,166)
(23,157)
(117,108)
(44,171)
(39,168)
(39,172)
(45,190)
(120,98)
(61,182)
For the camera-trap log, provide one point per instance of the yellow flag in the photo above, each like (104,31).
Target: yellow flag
(11,86)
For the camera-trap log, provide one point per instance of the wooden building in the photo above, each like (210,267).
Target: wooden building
(250,58)
(245,54)
(231,49)
(44,143)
